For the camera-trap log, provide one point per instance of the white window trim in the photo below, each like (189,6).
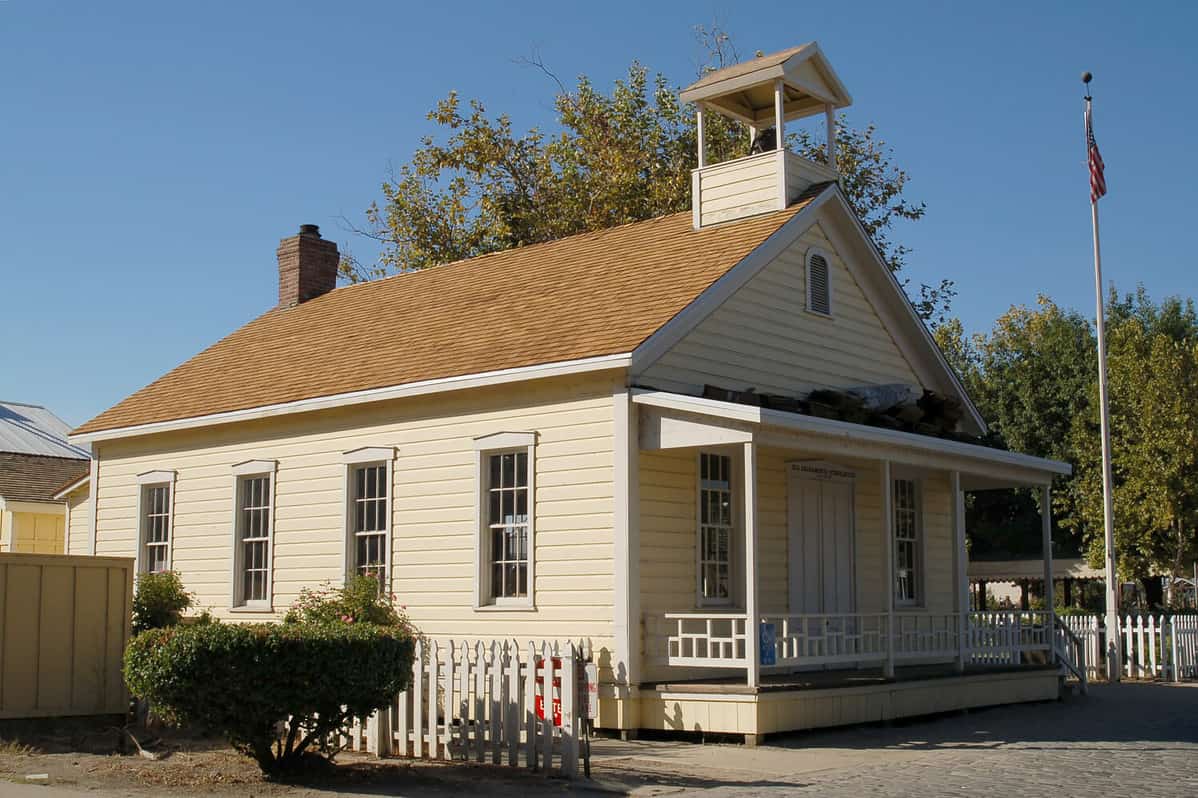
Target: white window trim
(484,446)
(354,458)
(736,488)
(145,480)
(921,537)
(253,468)
(827,256)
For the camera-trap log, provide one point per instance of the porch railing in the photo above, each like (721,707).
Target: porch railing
(706,640)
(1001,638)
(828,639)
(926,635)
(722,640)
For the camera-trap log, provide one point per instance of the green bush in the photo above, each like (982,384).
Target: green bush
(359,601)
(160,601)
(278,693)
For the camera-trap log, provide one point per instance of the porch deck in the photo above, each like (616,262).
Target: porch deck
(836,679)
(819,699)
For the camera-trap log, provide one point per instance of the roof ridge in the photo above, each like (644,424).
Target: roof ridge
(508,250)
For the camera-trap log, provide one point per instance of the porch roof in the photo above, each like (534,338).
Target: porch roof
(689,418)
(1015,570)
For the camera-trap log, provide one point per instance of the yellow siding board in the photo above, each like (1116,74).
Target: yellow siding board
(764,337)
(433,533)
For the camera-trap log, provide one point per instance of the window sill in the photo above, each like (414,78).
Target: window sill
(506,608)
(910,608)
(252,609)
(818,315)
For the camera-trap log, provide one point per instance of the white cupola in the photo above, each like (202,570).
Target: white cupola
(764,93)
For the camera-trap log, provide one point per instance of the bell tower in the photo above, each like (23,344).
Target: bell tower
(764,93)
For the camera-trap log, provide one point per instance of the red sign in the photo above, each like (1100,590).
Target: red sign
(539,701)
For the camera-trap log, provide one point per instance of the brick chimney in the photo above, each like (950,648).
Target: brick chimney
(307,266)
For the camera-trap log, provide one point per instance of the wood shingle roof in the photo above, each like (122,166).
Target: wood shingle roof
(584,296)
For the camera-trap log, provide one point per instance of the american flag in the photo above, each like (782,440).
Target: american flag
(1097,179)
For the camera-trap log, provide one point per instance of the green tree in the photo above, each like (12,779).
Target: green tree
(1153,379)
(610,158)
(1030,377)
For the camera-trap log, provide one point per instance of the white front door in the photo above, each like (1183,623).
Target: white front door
(820,522)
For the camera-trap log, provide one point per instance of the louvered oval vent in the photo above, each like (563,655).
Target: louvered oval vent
(819,297)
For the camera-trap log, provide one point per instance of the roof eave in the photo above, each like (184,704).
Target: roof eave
(460,382)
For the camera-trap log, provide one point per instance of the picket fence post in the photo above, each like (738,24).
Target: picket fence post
(467,697)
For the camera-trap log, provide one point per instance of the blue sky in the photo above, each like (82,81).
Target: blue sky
(152,154)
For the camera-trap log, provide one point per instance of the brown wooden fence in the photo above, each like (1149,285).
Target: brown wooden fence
(64,623)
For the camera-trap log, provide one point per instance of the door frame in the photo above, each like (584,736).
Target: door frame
(820,471)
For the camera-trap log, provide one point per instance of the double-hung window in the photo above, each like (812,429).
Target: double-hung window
(253,526)
(715,528)
(506,464)
(907,542)
(368,514)
(156,505)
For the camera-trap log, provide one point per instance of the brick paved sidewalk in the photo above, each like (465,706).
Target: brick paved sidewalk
(1129,739)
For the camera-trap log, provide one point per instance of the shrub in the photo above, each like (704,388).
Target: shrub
(159,601)
(278,693)
(359,601)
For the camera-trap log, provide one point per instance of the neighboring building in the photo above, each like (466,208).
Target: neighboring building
(613,436)
(35,462)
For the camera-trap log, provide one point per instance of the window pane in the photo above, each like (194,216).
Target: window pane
(715,526)
(508,478)
(906,533)
(521,469)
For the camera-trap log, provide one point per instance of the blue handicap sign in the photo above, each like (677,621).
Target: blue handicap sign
(767,637)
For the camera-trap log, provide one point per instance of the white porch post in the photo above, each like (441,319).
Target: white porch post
(702,138)
(627,660)
(960,578)
(888,537)
(1046,547)
(752,616)
(779,115)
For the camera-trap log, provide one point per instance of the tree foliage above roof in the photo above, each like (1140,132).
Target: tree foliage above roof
(610,158)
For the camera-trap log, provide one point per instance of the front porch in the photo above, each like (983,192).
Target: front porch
(788,562)
(796,702)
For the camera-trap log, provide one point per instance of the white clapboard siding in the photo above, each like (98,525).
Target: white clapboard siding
(764,337)
(433,509)
(475,701)
(739,188)
(78,514)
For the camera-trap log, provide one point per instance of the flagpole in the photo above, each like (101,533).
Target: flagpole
(1114,646)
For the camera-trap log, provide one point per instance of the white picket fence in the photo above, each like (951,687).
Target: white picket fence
(1153,646)
(494,702)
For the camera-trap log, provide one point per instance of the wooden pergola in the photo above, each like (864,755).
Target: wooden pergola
(1025,573)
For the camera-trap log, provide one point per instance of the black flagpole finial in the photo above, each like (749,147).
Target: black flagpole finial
(1086,78)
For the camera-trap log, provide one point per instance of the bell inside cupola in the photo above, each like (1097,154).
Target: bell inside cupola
(764,94)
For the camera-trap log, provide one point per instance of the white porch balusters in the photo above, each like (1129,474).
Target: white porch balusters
(960,581)
(1046,546)
(888,536)
(752,611)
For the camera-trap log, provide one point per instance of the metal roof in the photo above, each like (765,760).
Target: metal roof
(32,429)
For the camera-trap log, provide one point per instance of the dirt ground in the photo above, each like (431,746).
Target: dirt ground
(77,757)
